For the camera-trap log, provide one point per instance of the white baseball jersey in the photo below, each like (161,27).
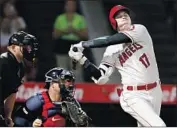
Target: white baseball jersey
(135,61)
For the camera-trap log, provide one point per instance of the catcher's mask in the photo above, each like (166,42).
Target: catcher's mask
(28,42)
(65,79)
(114,10)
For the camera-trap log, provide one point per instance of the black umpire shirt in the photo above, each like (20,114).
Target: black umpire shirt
(12,73)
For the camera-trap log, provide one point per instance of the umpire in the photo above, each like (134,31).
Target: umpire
(22,46)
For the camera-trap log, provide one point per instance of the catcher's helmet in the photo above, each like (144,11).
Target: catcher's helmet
(61,76)
(114,10)
(28,42)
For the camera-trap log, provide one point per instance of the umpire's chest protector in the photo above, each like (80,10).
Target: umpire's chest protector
(54,119)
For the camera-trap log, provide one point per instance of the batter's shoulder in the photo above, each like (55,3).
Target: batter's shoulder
(139,26)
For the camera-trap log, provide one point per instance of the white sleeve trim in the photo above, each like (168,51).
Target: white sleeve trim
(104,62)
(104,76)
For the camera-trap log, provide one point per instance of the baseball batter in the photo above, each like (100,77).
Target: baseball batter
(131,52)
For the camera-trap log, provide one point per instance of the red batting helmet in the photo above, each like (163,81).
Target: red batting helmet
(115,10)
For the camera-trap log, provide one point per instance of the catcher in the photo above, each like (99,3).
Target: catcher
(54,107)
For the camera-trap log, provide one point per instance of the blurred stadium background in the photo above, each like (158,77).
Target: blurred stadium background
(100,102)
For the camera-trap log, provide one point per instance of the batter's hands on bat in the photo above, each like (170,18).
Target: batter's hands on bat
(77,55)
(37,123)
(79,46)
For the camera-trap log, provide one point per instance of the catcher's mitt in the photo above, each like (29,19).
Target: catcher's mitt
(76,114)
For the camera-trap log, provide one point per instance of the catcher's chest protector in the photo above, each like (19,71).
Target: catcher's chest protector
(53,121)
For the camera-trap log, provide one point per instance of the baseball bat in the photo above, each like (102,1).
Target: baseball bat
(74,62)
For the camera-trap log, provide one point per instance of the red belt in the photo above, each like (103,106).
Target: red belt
(142,87)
